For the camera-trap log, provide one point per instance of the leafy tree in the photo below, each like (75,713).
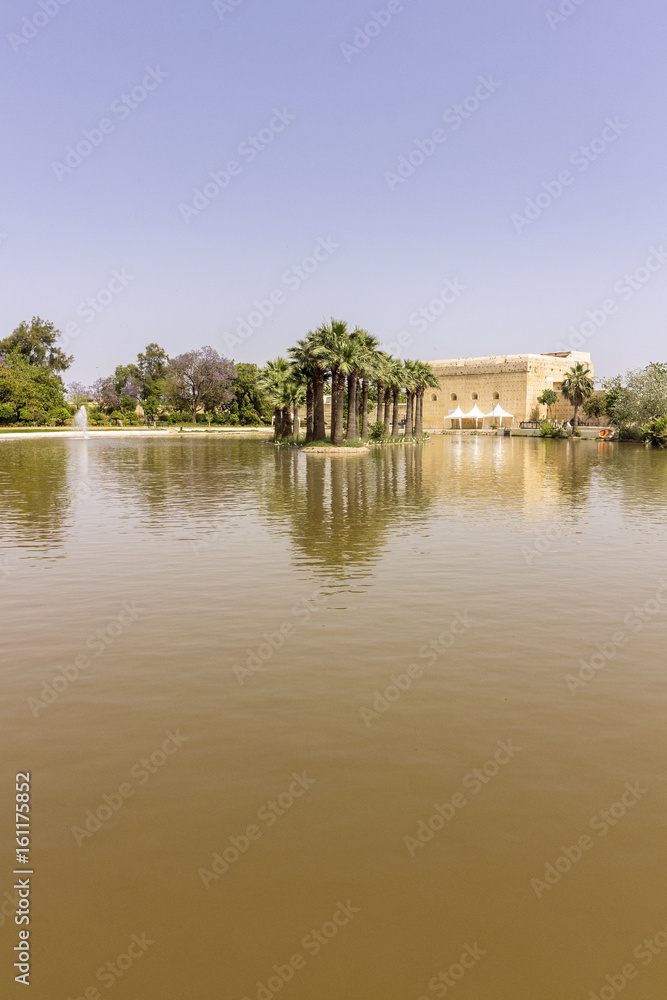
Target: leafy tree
(548,398)
(577,387)
(656,432)
(152,365)
(596,406)
(249,402)
(638,397)
(37,343)
(29,392)
(199,379)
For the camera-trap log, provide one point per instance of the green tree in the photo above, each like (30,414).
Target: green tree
(37,343)
(577,387)
(32,393)
(548,398)
(596,406)
(249,402)
(152,365)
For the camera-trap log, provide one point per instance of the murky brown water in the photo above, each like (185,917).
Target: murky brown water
(235,610)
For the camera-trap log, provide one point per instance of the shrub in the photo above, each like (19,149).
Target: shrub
(631,432)
(7,413)
(378,431)
(655,432)
(549,430)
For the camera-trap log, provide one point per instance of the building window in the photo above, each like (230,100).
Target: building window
(453,397)
(475,396)
(434,398)
(496,395)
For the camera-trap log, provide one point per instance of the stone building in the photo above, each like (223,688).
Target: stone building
(513,380)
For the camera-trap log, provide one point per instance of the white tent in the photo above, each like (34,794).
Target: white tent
(475,414)
(456,414)
(497,413)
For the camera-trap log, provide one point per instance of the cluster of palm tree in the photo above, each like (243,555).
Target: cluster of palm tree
(336,360)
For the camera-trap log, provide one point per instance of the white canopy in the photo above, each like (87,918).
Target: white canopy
(498,413)
(475,414)
(456,414)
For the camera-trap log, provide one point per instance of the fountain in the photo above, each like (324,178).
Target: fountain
(81,420)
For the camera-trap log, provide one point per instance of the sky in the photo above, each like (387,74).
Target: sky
(460,178)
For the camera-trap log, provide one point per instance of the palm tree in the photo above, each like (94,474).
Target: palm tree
(577,387)
(338,353)
(369,365)
(356,361)
(277,378)
(395,382)
(410,379)
(382,360)
(425,378)
(305,363)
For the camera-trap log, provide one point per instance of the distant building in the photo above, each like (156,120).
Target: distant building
(513,380)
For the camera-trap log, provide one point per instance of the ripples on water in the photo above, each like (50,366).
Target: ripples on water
(544,546)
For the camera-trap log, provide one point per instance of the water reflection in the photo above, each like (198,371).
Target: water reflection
(35,494)
(340,511)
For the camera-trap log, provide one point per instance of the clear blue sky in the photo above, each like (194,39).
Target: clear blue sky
(220,76)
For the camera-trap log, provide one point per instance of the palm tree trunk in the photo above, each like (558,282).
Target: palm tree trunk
(319,432)
(337,407)
(575,418)
(380,391)
(277,423)
(387,404)
(352,433)
(394,419)
(309,411)
(419,416)
(364,409)
(408,414)
(334,383)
